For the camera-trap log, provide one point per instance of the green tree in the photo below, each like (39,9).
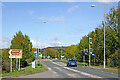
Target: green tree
(21,41)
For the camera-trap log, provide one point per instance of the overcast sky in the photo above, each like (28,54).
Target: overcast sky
(66,23)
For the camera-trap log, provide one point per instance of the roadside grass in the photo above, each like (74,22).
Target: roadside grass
(109,69)
(27,70)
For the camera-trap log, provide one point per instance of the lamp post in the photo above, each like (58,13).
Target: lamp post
(104,33)
(37,35)
(104,36)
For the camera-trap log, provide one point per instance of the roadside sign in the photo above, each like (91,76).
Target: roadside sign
(35,54)
(43,57)
(33,64)
(94,55)
(15,53)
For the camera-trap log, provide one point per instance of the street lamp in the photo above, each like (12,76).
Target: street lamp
(104,36)
(104,33)
(37,35)
(37,32)
(92,5)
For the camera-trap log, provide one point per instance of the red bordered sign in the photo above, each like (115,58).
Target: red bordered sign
(15,53)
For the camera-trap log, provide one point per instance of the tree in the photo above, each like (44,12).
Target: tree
(70,51)
(21,41)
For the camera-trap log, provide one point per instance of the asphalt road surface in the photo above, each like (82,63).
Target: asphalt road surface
(58,69)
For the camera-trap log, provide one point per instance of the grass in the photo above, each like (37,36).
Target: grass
(27,70)
(109,69)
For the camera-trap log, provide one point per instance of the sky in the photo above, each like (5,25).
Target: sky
(66,22)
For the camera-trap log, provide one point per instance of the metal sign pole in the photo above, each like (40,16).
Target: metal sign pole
(16,63)
(11,65)
(89,51)
(84,60)
(94,60)
(19,63)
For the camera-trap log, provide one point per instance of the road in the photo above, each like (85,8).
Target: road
(58,69)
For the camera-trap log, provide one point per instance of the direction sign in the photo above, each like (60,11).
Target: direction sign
(94,55)
(15,53)
(35,54)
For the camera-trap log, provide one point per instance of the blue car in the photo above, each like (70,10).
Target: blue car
(71,62)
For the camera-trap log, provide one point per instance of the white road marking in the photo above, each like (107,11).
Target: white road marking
(58,68)
(83,73)
(72,75)
(51,70)
(69,74)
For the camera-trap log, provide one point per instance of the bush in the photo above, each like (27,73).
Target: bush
(109,61)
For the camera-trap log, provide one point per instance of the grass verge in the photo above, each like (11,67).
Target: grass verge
(27,70)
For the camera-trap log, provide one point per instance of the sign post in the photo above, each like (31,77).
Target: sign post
(15,53)
(90,42)
(19,63)
(16,63)
(11,65)
(33,64)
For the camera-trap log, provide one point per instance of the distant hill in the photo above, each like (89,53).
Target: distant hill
(57,47)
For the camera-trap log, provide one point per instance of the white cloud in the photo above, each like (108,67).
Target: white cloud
(5,42)
(57,19)
(31,12)
(53,19)
(44,45)
(72,8)
(38,44)
(54,43)
(42,18)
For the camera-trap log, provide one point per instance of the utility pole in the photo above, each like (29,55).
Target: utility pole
(44,52)
(61,53)
(104,36)
(89,52)
(84,59)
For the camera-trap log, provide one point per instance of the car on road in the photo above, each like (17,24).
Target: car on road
(71,62)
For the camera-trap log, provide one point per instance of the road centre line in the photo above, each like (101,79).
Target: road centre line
(69,74)
(51,70)
(83,73)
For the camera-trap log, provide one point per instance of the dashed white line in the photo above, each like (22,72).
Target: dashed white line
(51,70)
(83,73)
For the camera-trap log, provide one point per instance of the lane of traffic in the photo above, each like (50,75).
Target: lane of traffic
(88,70)
(84,75)
(63,72)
